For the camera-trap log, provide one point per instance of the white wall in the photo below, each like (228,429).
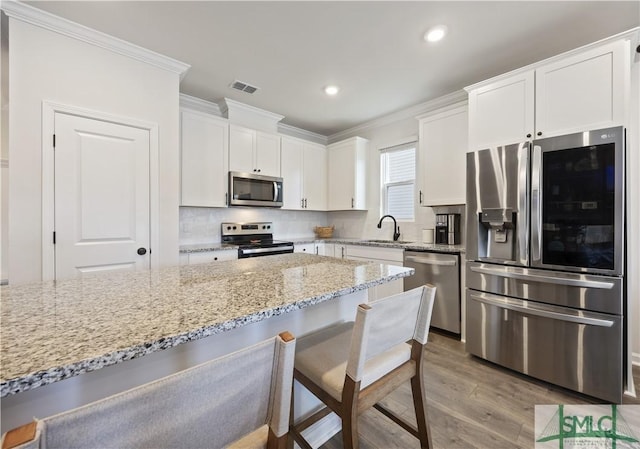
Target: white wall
(45,65)
(4,147)
(633,210)
(351,224)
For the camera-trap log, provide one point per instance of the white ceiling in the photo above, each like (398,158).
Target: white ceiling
(373,50)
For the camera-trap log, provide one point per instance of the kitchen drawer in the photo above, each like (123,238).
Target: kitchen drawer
(575,349)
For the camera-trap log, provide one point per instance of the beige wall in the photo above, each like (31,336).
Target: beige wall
(4,147)
(45,65)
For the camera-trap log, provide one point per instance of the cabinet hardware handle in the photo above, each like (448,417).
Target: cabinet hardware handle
(226,198)
(342,252)
(352,203)
(528,135)
(302,203)
(539,133)
(259,170)
(305,203)
(420,196)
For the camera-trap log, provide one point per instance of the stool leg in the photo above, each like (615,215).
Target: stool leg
(419,401)
(349,417)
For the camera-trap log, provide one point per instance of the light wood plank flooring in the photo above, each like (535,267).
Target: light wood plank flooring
(471,403)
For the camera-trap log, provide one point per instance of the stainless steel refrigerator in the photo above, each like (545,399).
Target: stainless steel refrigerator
(545,289)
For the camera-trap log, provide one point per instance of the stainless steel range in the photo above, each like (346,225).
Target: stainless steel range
(254,239)
(545,249)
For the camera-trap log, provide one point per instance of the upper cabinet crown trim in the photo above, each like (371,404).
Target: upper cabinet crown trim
(43,19)
(197,104)
(632,34)
(411,112)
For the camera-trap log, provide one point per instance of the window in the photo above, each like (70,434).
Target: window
(398,174)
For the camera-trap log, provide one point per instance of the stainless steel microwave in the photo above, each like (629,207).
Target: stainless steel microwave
(248,189)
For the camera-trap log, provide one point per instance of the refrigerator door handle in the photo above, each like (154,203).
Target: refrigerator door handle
(536,207)
(586,283)
(532,309)
(523,203)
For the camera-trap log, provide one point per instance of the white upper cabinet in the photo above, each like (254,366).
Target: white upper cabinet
(442,158)
(346,177)
(576,92)
(502,112)
(582,92)
(252,151)
(204,146)
(304,173)
(314,180)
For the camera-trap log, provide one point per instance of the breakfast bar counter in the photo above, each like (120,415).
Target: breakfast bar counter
(55,331)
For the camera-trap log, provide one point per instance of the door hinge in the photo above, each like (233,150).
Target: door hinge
(54,141)
(54,237)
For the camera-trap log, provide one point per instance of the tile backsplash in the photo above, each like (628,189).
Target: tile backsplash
(201,225)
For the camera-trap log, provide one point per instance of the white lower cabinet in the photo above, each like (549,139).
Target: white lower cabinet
(388,256)
(310,248)
(208,256)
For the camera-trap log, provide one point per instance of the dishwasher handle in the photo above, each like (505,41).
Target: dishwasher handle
(431,261)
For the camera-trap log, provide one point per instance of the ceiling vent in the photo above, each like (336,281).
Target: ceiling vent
(244,87)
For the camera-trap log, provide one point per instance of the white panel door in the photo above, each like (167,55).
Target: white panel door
(501,113)
(242,144)
(582,92)
(268,154)
(101,196)
(315,177)
(292,174)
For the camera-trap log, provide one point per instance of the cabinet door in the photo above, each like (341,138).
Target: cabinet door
(212,256)
(204,143)
(340,178)
(321,249)
(291,170)
(442,158)
(268,154)
(242,143)
(315,177)
(582,92)
(501,113)
(308,248)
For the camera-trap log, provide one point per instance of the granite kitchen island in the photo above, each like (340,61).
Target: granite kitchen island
(67,343)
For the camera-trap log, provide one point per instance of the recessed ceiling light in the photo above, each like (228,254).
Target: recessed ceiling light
(435,34)
(331,90)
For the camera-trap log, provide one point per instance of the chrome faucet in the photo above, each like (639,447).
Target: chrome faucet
(396,229)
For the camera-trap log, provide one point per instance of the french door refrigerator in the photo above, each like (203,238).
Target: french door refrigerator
(545,289)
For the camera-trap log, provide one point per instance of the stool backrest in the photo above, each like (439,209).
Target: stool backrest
(388,322)
(209,405)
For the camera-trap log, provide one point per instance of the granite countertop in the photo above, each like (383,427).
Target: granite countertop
(413,246)
(55,330)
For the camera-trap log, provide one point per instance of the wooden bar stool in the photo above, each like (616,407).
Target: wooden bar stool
(240,400)
(352,366)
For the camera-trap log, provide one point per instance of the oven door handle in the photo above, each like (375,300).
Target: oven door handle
(531,309)
(266,250)
(544,278)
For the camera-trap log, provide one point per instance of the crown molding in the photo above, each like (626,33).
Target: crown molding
(198,104)
(230,106)
(300,133)
(632,34)
(34,16)
(411,112)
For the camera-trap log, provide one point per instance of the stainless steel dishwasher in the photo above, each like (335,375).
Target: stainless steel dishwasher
(443,271)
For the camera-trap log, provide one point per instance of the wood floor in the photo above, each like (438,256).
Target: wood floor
(471,403)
